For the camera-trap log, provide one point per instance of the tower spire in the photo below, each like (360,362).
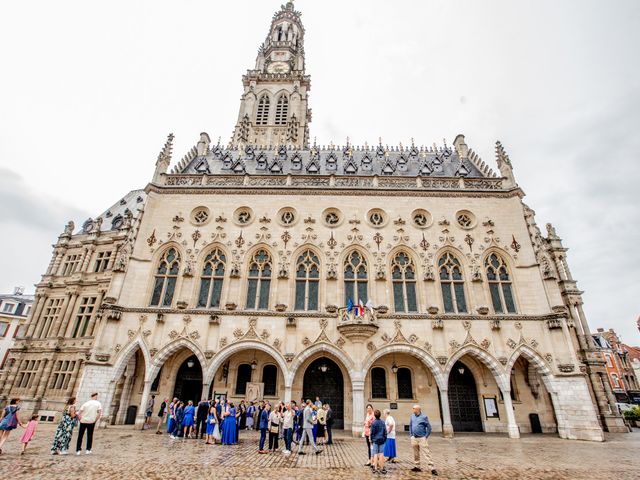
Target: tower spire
(274,106)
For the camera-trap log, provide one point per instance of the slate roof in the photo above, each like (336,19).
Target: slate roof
(358,161)
(113,217)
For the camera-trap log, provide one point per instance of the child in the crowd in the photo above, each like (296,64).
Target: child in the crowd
(29,432)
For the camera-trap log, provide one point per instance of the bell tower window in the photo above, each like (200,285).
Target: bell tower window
(262,116)
(282,110)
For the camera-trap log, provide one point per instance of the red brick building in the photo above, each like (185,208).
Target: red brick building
(620,369)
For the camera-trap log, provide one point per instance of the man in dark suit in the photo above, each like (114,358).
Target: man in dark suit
(327,407)
(201,418)
(263,425)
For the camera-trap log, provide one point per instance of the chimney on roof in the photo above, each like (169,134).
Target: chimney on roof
(18,290)
(600,330)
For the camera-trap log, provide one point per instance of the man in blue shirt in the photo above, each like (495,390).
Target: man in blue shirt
(420,429)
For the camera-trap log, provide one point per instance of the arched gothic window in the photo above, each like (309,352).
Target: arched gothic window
(452,283)
(378,383)
(405,385)
(262,116)
(242,378)
(211,280)
(403,277)
(165,280)
(499,284)
(355,278)
(270,380)
(259,281)
(307,281)
(282,110)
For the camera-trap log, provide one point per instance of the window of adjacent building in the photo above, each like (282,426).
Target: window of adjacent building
(70,264)
(270,380)
(403,278)
(243,377)
(378,383)
(259,282)
(262,116)
(27,373)
(307,281)
(452,284)
(166,278)
(61,375)
(499,284)
(405,385)
(50,316)
(609,361)
(4,328)
(282,110)
(83,317)
(102,262)
(211,280)
(8,307)
(355,278)
(616,380)
(19,331)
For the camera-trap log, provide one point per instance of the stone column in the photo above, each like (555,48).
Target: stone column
(140,418)
(61,324)
(205,391)
(585,326)
(11,373)
(567,337)
(514,431)
(607,389)
(74,378)
(357,424)
(95,313)
(35,316)
(447,426)
(44,379)
(287,393)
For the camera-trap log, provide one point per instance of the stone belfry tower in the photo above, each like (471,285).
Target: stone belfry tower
(274,106)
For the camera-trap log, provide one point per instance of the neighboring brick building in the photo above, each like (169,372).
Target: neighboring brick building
(618,359)
(14,311)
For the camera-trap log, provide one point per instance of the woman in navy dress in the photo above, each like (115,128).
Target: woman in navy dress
(229,426)
(211,425)
(177,430)
(187,423)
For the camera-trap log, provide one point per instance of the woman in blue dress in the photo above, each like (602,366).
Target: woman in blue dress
(229,426)
(171,424)
(211,425)
(188,421)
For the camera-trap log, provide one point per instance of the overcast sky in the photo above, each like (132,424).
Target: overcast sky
(89,91)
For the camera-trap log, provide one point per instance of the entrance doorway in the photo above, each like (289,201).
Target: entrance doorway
(323,379)
(189,381)
(463,400)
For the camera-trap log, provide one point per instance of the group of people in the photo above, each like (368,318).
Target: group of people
(380,436)
(220,421)
(87,416)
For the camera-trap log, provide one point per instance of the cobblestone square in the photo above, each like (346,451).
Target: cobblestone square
(123,453)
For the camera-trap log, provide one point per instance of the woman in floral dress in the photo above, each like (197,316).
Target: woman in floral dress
(65,429)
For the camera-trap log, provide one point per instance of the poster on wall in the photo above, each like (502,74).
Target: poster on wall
(491,407)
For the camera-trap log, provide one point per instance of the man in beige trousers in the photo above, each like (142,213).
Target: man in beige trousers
(420,429)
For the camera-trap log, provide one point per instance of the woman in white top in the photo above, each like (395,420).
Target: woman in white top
(390,444)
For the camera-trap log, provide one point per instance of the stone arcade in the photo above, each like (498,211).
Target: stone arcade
(236,267)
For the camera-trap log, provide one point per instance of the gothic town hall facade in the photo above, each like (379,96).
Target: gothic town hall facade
(231,271)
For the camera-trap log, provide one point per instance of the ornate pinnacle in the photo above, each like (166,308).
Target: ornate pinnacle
(167,150)
(501,155)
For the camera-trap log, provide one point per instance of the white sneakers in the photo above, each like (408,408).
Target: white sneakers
(88,452)
(78,452)
(64,452)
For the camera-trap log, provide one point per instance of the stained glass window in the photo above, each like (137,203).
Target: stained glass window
(166,278)
(378,383)
(211,280)
(259,281)
(404,284)
(452,284)
(307,279)
(405,385)
(499,284)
